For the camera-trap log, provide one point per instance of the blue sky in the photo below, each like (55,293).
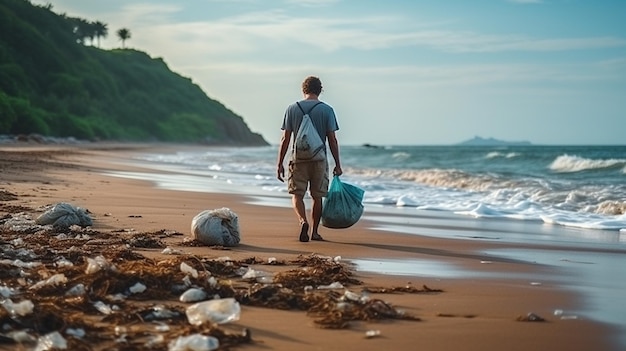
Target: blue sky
(396,72)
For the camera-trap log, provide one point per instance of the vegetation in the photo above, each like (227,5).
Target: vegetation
(55,82)
(124,35)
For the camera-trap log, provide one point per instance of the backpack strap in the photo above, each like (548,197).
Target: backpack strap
(306,113)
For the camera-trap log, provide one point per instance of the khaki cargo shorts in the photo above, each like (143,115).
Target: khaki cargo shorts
(303,174)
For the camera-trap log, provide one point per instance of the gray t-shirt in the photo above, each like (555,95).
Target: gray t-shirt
(322,116)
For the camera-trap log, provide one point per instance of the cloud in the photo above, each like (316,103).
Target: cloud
(312,3)
(524,2)
(258,31)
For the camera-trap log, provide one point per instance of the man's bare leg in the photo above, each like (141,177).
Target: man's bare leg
(317,216)
(300,209)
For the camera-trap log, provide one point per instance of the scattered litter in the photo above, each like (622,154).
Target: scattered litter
(194,342)
(187,269)
(218,311)
(5,291)
(22,308)
(97,264)
(335,285)
(77,290)
(77,333)
(531,317)
(486,262)
(170,251)
(138,288)
(51,341)
(561,314)
(54,280)
(193,295)
(535,283)
(64,215)
(216,227)
(102,307)
(372,333)
(95,289)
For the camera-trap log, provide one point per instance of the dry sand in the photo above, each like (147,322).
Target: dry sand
(468,314)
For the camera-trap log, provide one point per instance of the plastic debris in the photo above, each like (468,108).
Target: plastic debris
(185,268)
(335,285)
(76,290)
(170,251)
(54,280)
(77,333)
(102,307)
(194,342)
(216,227)
(97,264)
(65,215)
(372,333)
(22,308)
(217,311)
(193,295)
(531,317)
(52,341)
(5,291)
(561,314)
(138,288)
(22,337)
(102,267)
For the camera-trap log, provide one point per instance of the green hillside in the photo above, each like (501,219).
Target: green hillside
(55,81)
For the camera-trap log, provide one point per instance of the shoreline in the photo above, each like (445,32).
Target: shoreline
(494,304)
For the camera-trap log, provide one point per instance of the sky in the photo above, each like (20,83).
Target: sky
(414,72)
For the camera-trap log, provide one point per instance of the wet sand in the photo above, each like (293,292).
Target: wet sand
(473,312)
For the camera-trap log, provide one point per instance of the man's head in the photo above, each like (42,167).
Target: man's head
(312,85)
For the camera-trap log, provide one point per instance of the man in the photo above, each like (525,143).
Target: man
(309,174)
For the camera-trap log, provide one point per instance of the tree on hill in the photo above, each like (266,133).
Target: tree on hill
(100,30)
(123,34)
(82,30)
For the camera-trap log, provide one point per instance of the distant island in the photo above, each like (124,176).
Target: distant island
(479,141)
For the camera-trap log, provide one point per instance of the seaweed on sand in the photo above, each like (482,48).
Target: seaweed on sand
(94,289)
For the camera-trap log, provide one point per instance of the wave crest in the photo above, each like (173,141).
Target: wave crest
(572,163)
(495,154)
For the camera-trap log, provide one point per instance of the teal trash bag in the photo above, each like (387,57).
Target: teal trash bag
(343,205)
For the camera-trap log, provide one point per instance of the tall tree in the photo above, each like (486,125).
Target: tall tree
(123,34)
(82,30)
(100,30)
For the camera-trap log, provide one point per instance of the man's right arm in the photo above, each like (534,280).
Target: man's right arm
(282,151)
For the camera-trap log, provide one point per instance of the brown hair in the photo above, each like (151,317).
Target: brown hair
(312,85)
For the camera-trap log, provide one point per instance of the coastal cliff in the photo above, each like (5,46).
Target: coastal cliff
(55,81)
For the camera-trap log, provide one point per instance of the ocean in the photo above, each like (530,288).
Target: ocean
(571,186)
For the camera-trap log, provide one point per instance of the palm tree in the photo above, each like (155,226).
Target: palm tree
(82,30)
(100,30)
(123,34)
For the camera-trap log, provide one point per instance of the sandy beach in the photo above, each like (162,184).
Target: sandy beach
(463,313)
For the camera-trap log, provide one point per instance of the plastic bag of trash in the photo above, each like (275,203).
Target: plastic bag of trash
(216,227)
(218,311)
(65,215)
(342,206)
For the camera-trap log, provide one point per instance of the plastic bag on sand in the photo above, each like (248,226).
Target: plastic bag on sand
(216,227)
(343,205)
(65,215)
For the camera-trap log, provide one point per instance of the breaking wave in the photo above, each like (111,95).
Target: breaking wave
(573,163)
